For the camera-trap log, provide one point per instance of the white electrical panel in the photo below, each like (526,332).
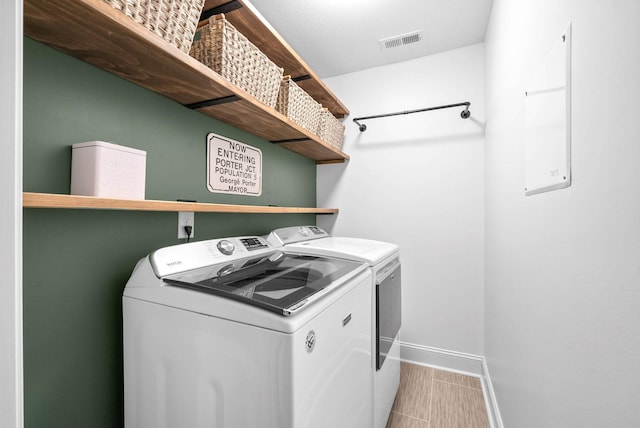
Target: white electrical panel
(548,121)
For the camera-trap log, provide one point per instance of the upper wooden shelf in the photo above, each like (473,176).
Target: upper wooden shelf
(249,22)
(50,200)
(93,31)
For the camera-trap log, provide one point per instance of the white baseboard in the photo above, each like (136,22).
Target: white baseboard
(459,362)
(495,420)
(442,358)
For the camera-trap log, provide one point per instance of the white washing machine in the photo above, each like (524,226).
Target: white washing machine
(383,259)
(235,333)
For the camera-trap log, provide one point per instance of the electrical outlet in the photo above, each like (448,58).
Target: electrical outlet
(185,218)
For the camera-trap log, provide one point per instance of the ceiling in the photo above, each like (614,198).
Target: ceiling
(341,36)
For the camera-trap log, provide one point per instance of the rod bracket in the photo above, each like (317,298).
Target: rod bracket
(361,126)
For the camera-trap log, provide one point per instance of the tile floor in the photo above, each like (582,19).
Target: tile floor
(431,398)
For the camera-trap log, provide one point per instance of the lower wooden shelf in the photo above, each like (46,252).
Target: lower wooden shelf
(51,200)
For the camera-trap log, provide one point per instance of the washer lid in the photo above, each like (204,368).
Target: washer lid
(279,282)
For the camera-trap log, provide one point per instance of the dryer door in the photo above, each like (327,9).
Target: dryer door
(388,309)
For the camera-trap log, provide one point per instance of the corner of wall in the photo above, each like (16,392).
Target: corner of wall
(493,411)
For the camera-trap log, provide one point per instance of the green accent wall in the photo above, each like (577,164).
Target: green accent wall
(76,262)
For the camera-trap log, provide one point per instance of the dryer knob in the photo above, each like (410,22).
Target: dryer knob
(304,231)
(226,247)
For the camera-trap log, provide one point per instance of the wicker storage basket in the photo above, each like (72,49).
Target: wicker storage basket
(219,46)
(298,106)
(330,129)
(173,20)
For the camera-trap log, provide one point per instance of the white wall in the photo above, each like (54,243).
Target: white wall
(11,214)
(417,180)
(563,268)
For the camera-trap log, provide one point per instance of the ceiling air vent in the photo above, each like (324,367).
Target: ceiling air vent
(401,40)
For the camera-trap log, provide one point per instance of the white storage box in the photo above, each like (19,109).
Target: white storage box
(107,170)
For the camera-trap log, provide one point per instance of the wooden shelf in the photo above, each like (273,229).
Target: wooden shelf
(93,31)
(50,200)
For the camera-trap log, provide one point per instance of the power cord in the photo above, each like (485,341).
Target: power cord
(188,230)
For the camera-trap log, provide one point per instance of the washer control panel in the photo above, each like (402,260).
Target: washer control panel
(194,255)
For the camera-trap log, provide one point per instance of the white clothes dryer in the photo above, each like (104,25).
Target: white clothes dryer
(232,333)
(383,259)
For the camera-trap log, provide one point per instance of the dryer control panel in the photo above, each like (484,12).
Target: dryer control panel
(293,234)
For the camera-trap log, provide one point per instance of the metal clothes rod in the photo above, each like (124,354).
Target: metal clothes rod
(464,114)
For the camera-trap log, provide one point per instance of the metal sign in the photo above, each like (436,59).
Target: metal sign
(233,167)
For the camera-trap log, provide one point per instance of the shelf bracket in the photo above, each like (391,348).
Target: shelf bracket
(223,8)
(292,140)
(464,114)
(213,102)
(301,78)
